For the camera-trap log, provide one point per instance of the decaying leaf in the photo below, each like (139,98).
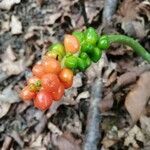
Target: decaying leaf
(145,124)
(130,76)
(131,20)
(8,4)
(107,102)
(16,26)
(133,135)
(9,65)
(4,108)
(6,143)
(65,142)
(9,95)
(54,129)
(138,97)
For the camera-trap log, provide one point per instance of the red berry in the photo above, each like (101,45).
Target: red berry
(57,95)
(38,70)
(26,94)
(43,100)
(50,82)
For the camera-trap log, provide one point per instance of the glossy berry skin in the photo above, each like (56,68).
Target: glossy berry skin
(103,42)
(71,43)
(56,51)
(79,35)
(51,65)
(96,55)
(50,82)
(71,62)
(57,95)
(91,36)
(43,100)
(82,65)
(38,70)
(26,94)
(66,77)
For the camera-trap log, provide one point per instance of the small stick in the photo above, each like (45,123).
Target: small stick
(82,3)
(93,132)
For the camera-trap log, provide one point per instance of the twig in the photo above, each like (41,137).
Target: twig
(109,10)
(82,3)
(93,133)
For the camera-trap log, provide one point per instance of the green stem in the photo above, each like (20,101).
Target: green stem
(132,43)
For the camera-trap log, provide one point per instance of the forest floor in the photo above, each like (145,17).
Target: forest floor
(27,29)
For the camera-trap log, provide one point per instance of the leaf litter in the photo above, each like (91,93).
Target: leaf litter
(38,24)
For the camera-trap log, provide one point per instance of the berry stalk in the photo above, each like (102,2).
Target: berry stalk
(139,49)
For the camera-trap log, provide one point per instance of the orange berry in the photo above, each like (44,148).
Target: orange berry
(50,82)
(57,95)
(66,77)
(26,94)
(38,70)
(51,65)
(71,43)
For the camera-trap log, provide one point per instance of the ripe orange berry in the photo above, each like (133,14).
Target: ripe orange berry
(26,94)
(51,65)
(50,82)
(57,95)
(66,77)
(38,70)
(71,43)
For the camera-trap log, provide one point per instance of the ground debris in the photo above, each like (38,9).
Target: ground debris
(138,97)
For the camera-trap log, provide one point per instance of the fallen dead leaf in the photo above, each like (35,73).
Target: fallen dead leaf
(37,142)
(145,124)
(107,102)
(8,4)
(9,65)
(9,95)
(65,142)
(130,77)
(83,95)
(138,97)
(77,80)
(16,26)
(54,129)
(131,19)
(6,143)
(51,18)
(4,108)
(108,142)
(133,135)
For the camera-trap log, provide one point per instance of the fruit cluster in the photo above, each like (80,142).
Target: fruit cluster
(54,73)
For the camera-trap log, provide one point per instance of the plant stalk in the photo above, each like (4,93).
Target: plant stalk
(139,49)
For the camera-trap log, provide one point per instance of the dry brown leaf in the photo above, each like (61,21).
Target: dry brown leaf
(134,134)
(107,102)
(9,65)
(145,124)
(4,108)
(65,142)
(138,97)
(130,77)
(129,15)
(9,95)
(8,4)
(16,25)
(6,143)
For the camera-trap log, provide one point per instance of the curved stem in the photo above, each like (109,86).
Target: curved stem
(132,43)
